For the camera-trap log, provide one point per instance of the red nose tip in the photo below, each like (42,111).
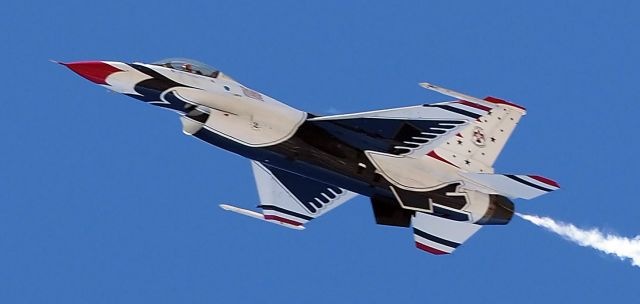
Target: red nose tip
(96,71)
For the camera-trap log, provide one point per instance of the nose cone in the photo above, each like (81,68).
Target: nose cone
(95,71)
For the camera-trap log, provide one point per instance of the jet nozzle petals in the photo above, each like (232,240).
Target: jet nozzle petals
(95,71)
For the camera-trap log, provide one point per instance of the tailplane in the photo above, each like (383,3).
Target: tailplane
(511,185)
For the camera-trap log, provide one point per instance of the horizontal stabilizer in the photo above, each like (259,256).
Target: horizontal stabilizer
(438,235)
(514,186)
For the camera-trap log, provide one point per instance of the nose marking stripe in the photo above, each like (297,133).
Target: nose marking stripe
(95,71)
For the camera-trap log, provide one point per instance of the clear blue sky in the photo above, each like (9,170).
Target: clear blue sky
(104,200)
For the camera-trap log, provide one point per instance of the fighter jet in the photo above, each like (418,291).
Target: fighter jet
(428,166)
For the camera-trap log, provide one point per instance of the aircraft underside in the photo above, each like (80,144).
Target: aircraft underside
(427,166)
(317,154)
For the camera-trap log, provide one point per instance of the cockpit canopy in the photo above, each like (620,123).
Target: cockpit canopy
(191,66)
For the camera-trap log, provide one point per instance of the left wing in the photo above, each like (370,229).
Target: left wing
(290,199)
(417,130)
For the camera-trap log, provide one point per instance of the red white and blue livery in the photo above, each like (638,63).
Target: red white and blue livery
(429,166)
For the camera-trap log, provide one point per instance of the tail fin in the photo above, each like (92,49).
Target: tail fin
(514,186)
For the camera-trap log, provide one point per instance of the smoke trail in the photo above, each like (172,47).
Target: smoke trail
(622,247)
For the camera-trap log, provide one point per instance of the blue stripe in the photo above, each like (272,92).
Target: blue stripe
(285,211)
(456,110)
(515,178)
(436,239)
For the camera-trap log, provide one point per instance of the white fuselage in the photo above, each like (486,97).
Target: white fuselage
(236,112)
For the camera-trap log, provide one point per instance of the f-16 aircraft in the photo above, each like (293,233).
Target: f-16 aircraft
(428,166)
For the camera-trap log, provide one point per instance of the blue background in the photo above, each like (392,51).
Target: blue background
(104,200)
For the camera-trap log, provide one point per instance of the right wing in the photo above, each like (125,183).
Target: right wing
(289,199)
(294,199)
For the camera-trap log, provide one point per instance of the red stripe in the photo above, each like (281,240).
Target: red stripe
(474,105)
(433,154)
(281,219)
(545,180)
(459,135)
(430,249)
(500,101)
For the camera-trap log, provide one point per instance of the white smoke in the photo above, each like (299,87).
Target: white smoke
(622,247)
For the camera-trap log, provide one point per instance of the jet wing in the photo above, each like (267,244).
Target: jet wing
(417,130)
(292,200)
(438,235)
(410,131)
